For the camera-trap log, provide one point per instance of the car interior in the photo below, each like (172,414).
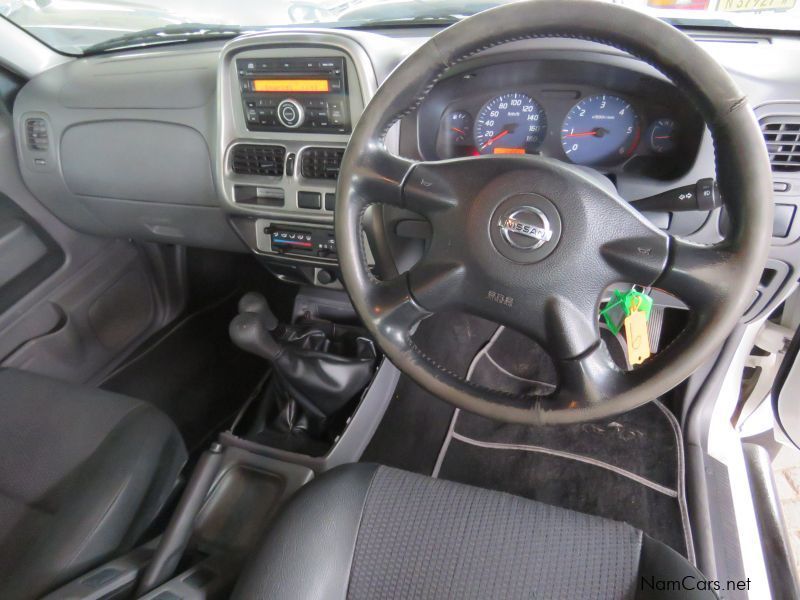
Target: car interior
(399,299)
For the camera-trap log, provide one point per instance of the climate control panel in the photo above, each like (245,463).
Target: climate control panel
(304,241)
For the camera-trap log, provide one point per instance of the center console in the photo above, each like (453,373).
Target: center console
(287,104)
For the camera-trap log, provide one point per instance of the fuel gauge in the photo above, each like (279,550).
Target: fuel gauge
(459,127)
(455,135)
(661,136)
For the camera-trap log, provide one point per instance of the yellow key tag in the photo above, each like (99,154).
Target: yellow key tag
(637,338)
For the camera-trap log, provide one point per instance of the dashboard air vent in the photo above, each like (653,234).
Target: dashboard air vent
(257,159)
(321,163)
(782,135)
(36,134)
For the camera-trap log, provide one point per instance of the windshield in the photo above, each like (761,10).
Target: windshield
(92,26)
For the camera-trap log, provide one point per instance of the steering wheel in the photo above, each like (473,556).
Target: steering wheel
(532,243)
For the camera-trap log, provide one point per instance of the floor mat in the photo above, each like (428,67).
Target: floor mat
(415,423)
(629,468)
(194,373)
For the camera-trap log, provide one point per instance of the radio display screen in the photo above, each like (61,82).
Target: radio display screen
(291,85)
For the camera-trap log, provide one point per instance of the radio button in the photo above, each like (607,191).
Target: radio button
(291,113)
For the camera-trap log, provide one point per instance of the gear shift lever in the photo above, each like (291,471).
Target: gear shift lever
(321,382)
(250,331)
(253,302)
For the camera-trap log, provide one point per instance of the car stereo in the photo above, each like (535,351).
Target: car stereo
(294,94)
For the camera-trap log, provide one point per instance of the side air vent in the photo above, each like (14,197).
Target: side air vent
(36,134)
(321,163)
(782,135)
(257,159)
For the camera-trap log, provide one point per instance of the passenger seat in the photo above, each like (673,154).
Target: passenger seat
(83,473)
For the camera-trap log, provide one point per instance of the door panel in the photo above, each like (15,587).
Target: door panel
(28,256)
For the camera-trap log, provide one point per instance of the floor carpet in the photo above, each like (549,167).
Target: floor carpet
(193,373)
(629,468)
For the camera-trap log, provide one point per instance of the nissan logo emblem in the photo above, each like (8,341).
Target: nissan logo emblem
(526,228)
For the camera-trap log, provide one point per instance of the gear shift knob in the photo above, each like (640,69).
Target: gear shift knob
(253,302)
(248,331)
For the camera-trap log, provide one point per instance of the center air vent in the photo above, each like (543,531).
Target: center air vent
(782,135)
(321,163)
(257,159)
(36,134)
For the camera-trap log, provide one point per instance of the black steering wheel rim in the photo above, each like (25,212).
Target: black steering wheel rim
(715,281)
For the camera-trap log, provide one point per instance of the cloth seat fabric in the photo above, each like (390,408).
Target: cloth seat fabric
(364,531)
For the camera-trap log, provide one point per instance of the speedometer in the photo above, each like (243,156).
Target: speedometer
(510,124)
(599,130)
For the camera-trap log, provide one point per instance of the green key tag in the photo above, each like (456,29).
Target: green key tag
(636,301)
(615,312)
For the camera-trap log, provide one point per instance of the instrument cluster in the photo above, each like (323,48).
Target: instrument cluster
(607,118)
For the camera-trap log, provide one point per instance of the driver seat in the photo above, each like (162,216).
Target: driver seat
(373,532)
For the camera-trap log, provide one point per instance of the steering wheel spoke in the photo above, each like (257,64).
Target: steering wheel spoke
(700,276)
(437,285)
(395,312)
(422,187)
(379,175)
(589,379)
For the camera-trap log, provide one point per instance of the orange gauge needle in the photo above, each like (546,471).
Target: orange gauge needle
(598,132)
(582,134)
(491,141)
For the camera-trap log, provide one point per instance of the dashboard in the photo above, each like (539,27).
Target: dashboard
(604,117)
(236,146)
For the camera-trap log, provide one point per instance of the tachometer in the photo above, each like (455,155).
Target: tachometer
(599,130)
(511,123)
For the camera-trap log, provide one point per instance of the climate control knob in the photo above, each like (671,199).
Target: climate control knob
(291,113)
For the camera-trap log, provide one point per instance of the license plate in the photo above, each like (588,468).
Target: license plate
(754,5)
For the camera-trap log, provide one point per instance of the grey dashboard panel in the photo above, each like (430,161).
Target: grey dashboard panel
(182,98)
(96,159)
(128,151)
(161,80)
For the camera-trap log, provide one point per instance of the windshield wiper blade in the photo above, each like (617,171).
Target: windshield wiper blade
(415,21)
(169,34)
